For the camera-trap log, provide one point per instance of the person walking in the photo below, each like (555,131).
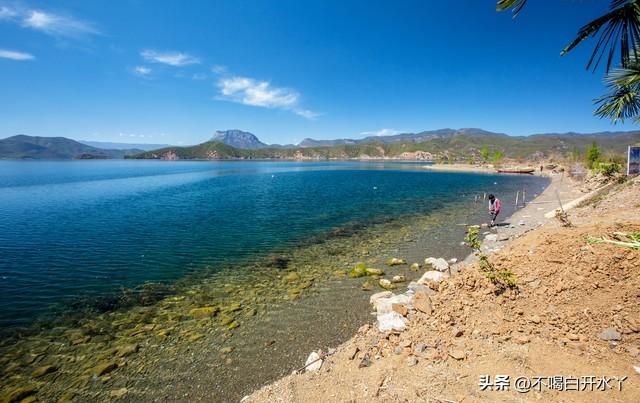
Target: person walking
(494,208)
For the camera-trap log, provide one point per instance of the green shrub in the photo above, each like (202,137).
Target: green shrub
(608,169)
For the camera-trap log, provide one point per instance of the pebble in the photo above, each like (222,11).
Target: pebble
(457,354)
(420,347)
(41,371)
(313,363)
(422,303)
(412,361)
(610,334)
(126,350)
(365,362)
(401,309)
(18,394)
(104,368)
(353,352)
(118,393)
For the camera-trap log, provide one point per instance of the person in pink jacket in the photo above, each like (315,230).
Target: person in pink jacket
(494,208)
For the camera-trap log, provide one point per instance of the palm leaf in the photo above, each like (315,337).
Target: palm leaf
(621,25)
(625,76)
(515,5)
(623,102)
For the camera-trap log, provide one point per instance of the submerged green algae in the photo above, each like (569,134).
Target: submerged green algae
(206,310)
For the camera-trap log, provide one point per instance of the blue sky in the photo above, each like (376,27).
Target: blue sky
(174,72)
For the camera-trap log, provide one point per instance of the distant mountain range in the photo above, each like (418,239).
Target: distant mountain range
(398,138)
(443,144)
(123,146)
(32,147)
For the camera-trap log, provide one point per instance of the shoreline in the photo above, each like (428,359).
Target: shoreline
(211,329)
(522,221)
(461,168)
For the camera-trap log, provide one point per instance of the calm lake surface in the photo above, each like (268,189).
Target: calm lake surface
(72,232)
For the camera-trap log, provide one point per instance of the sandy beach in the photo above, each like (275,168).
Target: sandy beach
(461,168)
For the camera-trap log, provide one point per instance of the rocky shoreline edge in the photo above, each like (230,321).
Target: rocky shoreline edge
(431,324)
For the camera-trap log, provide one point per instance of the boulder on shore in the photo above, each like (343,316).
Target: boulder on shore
(386,284)
(379,295)
(385,304)
(313,363)
(431,275)
(438,264)
(391,321)
(394,261)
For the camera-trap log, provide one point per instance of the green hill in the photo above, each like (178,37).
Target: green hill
(33,147)
(460,146)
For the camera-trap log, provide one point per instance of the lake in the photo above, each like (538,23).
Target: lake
(94,254)
(72,229)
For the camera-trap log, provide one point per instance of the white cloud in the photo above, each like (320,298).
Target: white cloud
(218,69)
(305,113)
(176,59)
(57,25)
(14,55)
(141,71)
(7,13)
(257,93)
(49,23)
(249,91)
(381,132)
(136,135)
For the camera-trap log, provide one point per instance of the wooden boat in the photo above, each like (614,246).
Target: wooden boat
(516,170)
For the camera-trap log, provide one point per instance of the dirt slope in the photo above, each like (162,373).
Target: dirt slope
(571,296)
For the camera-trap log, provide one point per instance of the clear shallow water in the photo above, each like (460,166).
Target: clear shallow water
(76,230)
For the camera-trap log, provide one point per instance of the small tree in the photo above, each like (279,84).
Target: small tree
(497,157)
(593,155)
(484,152)
(502,279)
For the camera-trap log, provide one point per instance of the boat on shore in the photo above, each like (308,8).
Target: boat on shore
(516,170)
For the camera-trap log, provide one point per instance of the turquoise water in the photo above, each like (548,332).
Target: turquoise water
(74,233)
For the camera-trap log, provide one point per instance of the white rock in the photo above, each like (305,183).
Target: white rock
(414,287)
(378,295)
(384,305)
(316,365)
(521,222)
(431,275)
(491,238)
(398,279)
(453,260)
(440,264)
(391,321)
(430,261)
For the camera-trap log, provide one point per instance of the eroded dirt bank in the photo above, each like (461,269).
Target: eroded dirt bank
(574,315)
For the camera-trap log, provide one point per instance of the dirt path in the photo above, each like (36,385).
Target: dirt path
(573,323)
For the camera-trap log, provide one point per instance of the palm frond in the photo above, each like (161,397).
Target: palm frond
(623,102)
(515,5)
(624,76)
(621,25)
